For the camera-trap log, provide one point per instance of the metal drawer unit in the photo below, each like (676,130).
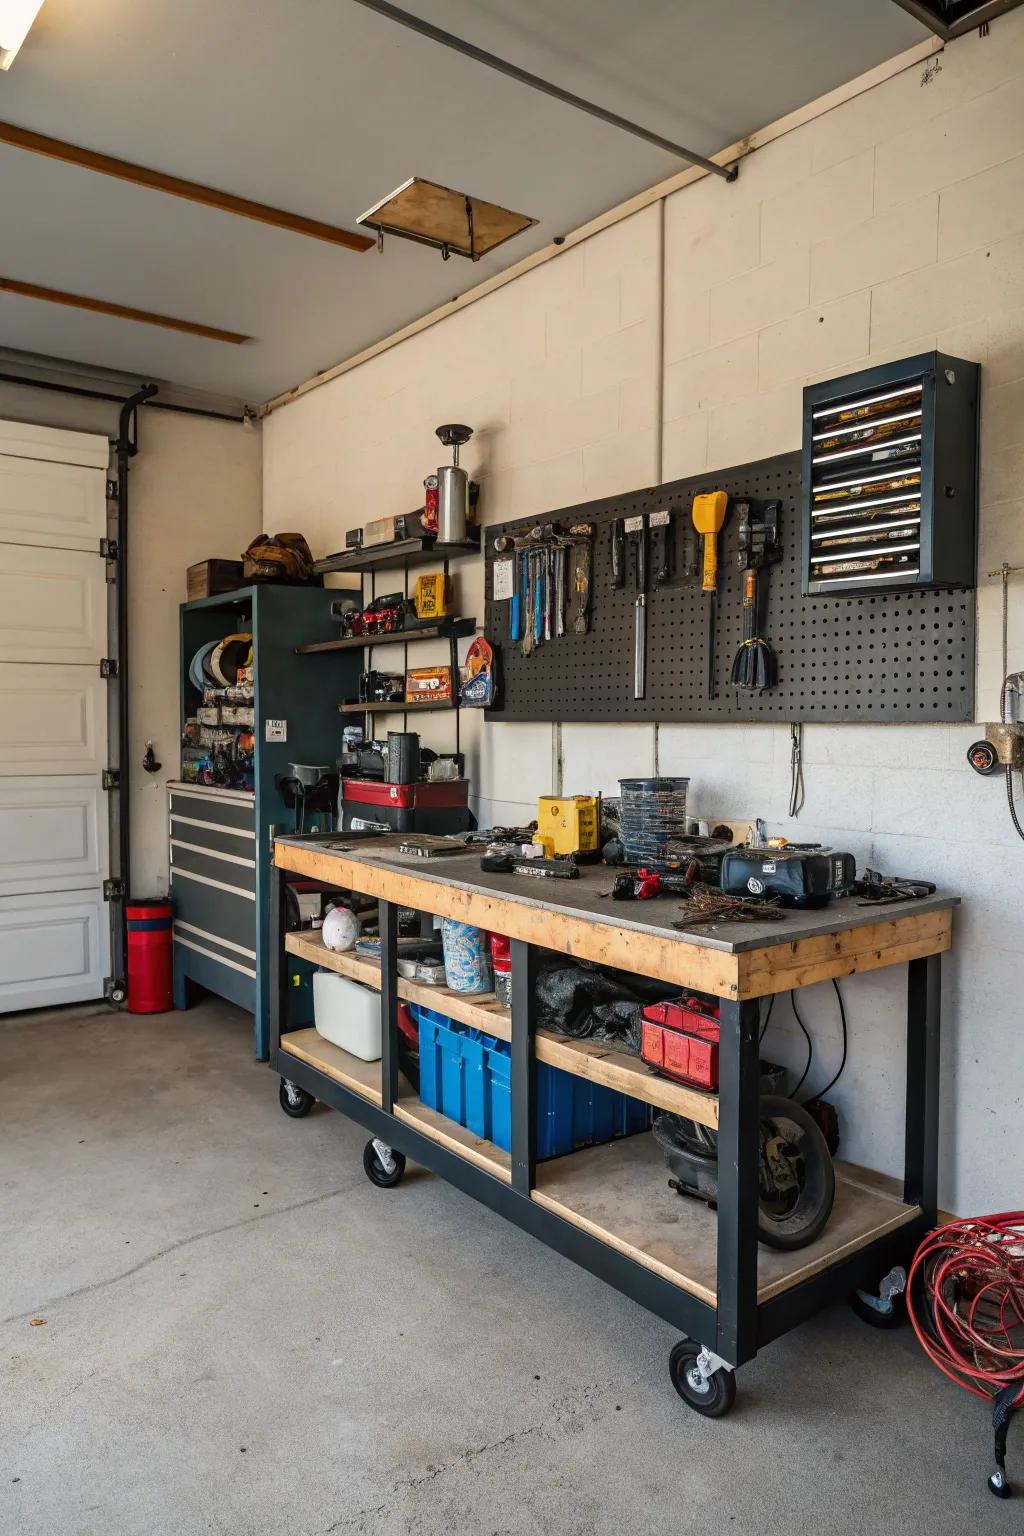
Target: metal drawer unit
(213,850)
(890,478)
(220,839)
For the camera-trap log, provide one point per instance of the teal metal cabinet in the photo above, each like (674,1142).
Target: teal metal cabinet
(221,840)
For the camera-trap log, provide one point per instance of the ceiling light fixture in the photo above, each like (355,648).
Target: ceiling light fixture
(16,17)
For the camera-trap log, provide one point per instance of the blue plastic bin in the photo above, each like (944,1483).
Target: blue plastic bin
(467,1076)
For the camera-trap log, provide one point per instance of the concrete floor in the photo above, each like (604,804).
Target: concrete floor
(241,1335)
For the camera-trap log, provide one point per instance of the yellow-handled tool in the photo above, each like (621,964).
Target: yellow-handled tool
(709,509)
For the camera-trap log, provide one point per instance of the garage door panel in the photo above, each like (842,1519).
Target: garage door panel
(53,605)
(52,949)
(53,834)
(61,506)
(58,445)
(53,720)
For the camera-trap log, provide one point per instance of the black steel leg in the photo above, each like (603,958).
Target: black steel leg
(278,1020)
(738,1137)
(524,1067)
(388,923)
(921,1160)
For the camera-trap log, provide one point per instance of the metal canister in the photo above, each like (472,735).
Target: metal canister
(452,503)
(402,757)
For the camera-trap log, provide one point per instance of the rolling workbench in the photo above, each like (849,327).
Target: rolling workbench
(609,1207)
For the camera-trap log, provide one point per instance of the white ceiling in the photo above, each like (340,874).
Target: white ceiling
(321,107)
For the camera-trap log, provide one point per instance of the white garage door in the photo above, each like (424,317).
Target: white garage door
(54,837)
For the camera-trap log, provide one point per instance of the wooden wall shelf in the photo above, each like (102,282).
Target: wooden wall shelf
(455,629)
(401,552)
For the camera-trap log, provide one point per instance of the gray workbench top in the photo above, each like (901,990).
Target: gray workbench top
(587,897)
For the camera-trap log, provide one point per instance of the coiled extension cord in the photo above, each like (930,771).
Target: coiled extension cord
(965,1296)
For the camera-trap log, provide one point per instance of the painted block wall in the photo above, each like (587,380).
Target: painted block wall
(194,494)
(891,225)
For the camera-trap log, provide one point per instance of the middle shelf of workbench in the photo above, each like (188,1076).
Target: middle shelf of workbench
(593,1059)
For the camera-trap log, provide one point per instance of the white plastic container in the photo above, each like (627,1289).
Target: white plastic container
(347,1014)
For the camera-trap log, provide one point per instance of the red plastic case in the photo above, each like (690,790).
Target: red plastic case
(681,1040)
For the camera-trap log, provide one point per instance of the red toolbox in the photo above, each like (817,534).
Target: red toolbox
(680,1038)
(438,807)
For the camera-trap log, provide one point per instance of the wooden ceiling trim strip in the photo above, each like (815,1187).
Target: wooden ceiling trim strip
(176,186)
(119,311)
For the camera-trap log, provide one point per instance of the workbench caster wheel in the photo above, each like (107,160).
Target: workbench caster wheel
(384,1166)
(886,1307)
(295,1101)
(702,1381)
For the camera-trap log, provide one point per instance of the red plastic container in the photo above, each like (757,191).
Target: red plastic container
(149,956)
(681,1040)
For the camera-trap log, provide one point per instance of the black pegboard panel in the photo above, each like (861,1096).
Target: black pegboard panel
(897,656)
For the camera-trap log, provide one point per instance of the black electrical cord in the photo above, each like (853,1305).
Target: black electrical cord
(810,1045)
(1013,809)
(764,1026)
(796,768)
(846,1040)
(1002,715)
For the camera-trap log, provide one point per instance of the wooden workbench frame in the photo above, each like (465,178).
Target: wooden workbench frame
(737,1323)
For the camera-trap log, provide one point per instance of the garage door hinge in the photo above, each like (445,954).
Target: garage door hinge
(113,890)
(111,778)
(108,549)
(108,666)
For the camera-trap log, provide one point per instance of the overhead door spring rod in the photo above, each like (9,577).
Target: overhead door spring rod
(449,40)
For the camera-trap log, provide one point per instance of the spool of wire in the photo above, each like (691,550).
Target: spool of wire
(965,1296)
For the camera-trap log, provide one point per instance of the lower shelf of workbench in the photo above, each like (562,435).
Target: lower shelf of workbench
(619,1192)
(365,1078)
(448,1133)
(362,1077)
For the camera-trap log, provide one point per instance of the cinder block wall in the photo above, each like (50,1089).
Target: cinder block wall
(891,225)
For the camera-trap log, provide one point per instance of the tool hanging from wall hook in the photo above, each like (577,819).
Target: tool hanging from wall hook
(636,535)
(756,666)
(662,548)
(708,513)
